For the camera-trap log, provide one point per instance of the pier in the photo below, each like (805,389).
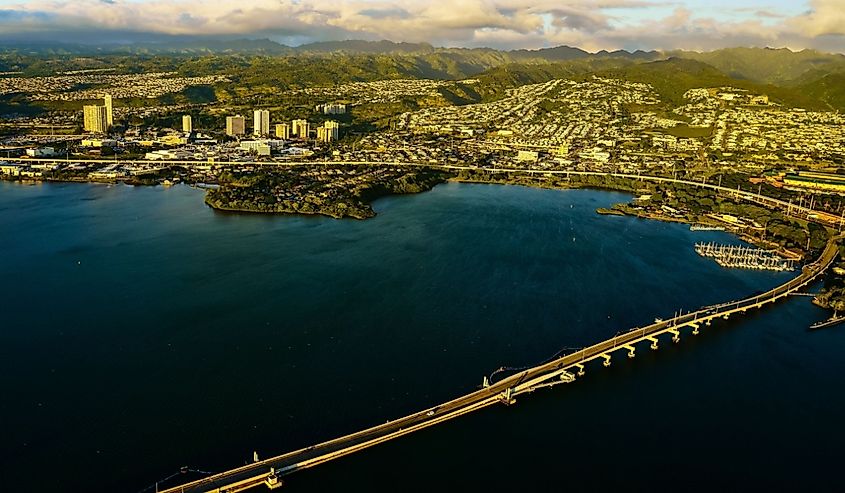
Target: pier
(742,257)
(564,369)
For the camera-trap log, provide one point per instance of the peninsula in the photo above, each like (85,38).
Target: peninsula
(333,190)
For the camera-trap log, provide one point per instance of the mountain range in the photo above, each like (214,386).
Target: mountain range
(807,78)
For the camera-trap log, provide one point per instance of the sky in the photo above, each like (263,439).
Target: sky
(506,24)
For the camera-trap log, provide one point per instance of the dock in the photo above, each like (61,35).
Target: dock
(743,257)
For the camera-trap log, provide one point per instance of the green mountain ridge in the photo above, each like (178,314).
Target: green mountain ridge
(828,88)
(766,65)
(807,79)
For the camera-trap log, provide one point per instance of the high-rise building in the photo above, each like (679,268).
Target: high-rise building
(322,135)
(283,131)
(331,108)
(187,124)
(333,128)
(98,118)
(235,125)
(301,128)
(261,124)
(95,118)
(329,132)
(109,109)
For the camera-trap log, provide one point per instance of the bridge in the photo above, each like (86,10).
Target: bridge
(563,369)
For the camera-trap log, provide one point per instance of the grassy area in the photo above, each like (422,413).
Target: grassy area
(685,131)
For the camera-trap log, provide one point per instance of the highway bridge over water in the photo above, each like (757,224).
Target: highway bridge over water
(563,369)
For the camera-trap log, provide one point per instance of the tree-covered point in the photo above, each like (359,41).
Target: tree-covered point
(334,190)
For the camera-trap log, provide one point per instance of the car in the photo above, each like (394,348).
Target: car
(430,413)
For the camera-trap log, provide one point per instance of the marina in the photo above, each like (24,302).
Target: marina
(742,257)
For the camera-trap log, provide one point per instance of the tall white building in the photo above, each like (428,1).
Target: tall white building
(235,125)
(283,131)
(187,124)
(329,132)
(331,108)
(301,128)
(333,128)
(95,119)
(109,110)
(98,118)
(261,124)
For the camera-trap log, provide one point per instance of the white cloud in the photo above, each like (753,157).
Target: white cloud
(591,24)
(826,17)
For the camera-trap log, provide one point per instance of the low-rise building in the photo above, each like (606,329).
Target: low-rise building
(816,181)
(8,169)
(527,156)
(41,152)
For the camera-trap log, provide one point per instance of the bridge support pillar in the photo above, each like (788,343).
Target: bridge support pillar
(606,360)
(581,371)
(631,350)
(654,345)
(708,322)
(567,377)
(272,481)
(485,383)
(694,329)
(676,336)
(508,396)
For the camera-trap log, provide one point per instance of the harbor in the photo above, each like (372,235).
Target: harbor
(743,257)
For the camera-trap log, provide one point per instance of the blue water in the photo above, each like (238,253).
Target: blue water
(142,331)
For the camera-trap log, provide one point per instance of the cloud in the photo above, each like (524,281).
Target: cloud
(590,24)
(825,18)
(392,13)
(579,19)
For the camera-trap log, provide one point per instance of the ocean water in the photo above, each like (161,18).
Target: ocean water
(142,331)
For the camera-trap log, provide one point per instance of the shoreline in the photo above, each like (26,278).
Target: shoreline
(356,204)
(371,194)
(742,236)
